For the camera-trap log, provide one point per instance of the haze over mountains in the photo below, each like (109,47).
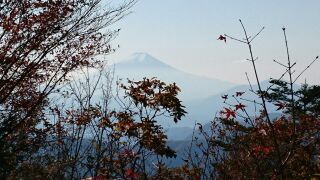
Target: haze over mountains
(200,95)
(193,87)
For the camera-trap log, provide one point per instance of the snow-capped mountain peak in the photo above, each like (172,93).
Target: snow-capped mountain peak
(142,57)
(141,60)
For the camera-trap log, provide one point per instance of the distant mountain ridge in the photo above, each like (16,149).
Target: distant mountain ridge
(141,65)
(204,110)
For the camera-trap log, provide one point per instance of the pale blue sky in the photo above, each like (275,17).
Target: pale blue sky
(183,34)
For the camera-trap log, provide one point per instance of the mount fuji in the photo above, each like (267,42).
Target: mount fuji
(193,87)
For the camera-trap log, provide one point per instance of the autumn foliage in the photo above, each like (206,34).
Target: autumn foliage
(264,145)
(41,43)
(56,126)
(51,126)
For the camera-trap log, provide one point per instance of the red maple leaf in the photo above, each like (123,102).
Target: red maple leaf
(240,106)
(267,150)
(99,177)
(228,112)
(262,149)
(222,38)
(131,174)
(280,105)
(239,93)
(128,153)
(225,97)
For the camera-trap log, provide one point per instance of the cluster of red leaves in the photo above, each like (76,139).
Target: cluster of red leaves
(262,150)
(228,112)
(42,41)
(244,146)
(232,113)
(127,126)
(131,174)
(156,94)
(129,153)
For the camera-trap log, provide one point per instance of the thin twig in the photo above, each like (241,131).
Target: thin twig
(306,69)
(252,101)
(257,34)
(234,38)
(251,89)
(273,135)
(280,63)
(291,82)
(245,111)
(277,80)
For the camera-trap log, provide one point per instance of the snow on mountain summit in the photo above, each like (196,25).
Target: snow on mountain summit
(141,60)
(140,65)
(143,57)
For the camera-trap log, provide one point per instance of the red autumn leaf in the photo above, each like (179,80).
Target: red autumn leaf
(131,174)
(225,97)
(239,93)
(60,141)
(222,38)
(228,112)
(280,105)
(257,149)
(99,177)
(262,149)
(128,153)
(240,106)
(267,150)
(196,178)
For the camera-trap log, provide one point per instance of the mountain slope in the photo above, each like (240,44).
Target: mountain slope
(204,110)
(193,87)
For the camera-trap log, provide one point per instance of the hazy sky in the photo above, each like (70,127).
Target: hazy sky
(183,34)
